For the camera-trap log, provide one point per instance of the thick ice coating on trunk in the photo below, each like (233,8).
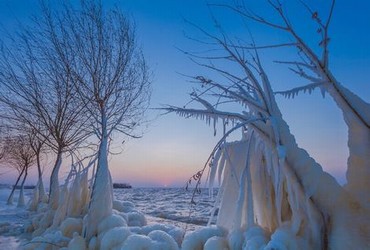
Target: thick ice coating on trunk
(356,114)
(290,195)
(42,197)
(102,192)
(21,202)
(10,198)
(297,214)
(54,183)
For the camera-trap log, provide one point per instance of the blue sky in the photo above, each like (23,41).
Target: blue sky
(174,148)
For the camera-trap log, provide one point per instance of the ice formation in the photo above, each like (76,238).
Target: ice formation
(273,195)
(271,190)
(197,239)
(124,228)
(274,192)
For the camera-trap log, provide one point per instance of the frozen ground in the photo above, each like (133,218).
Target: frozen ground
(11,220)
(161,206)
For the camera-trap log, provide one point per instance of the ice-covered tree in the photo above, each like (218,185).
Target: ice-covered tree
(111,77)
(20,156)
(313,65)
(37,144)
(38,90)
(116,92)
(271,189)
(75,72)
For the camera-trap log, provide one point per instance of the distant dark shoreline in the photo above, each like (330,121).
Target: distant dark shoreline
(121,185)
(17,187)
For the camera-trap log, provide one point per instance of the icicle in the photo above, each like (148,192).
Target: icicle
(241,198)
(245,179)
(222,164)
(216,204)
(229,163)
(213,170)
(74,197)
(214,126)
(322,89)
(85,192)
(294,206)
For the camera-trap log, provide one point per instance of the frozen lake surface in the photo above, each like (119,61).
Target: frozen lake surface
(170,203)
(160,205)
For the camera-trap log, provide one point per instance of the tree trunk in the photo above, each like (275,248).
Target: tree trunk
(21,202)
(54,182)
(346,222)
(102,194)
(356,114)
(10,198)
(42,194)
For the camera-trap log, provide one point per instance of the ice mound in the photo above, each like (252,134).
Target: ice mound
(284,238)
(114,238)
(136,218)
(137,241)
(125,228)
(255,238)
(128,211)
(77,243)
(111,221)
(156,240)
(48,241)
(162,240)
(216,243)
(176,232)
(124,206)
(235,239)
(70,226)
(197,239)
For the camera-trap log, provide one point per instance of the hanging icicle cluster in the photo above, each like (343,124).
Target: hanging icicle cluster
(258,191)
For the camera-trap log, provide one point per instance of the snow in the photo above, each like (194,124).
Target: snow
(11,220)
(113,231)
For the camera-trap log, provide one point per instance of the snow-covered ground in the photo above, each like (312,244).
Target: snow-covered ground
(160,206)
(12,219)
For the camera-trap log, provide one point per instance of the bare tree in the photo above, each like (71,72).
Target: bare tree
(20,156)
(268,181)
(111,78)
(313,65)
(38,90)
(37,144)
